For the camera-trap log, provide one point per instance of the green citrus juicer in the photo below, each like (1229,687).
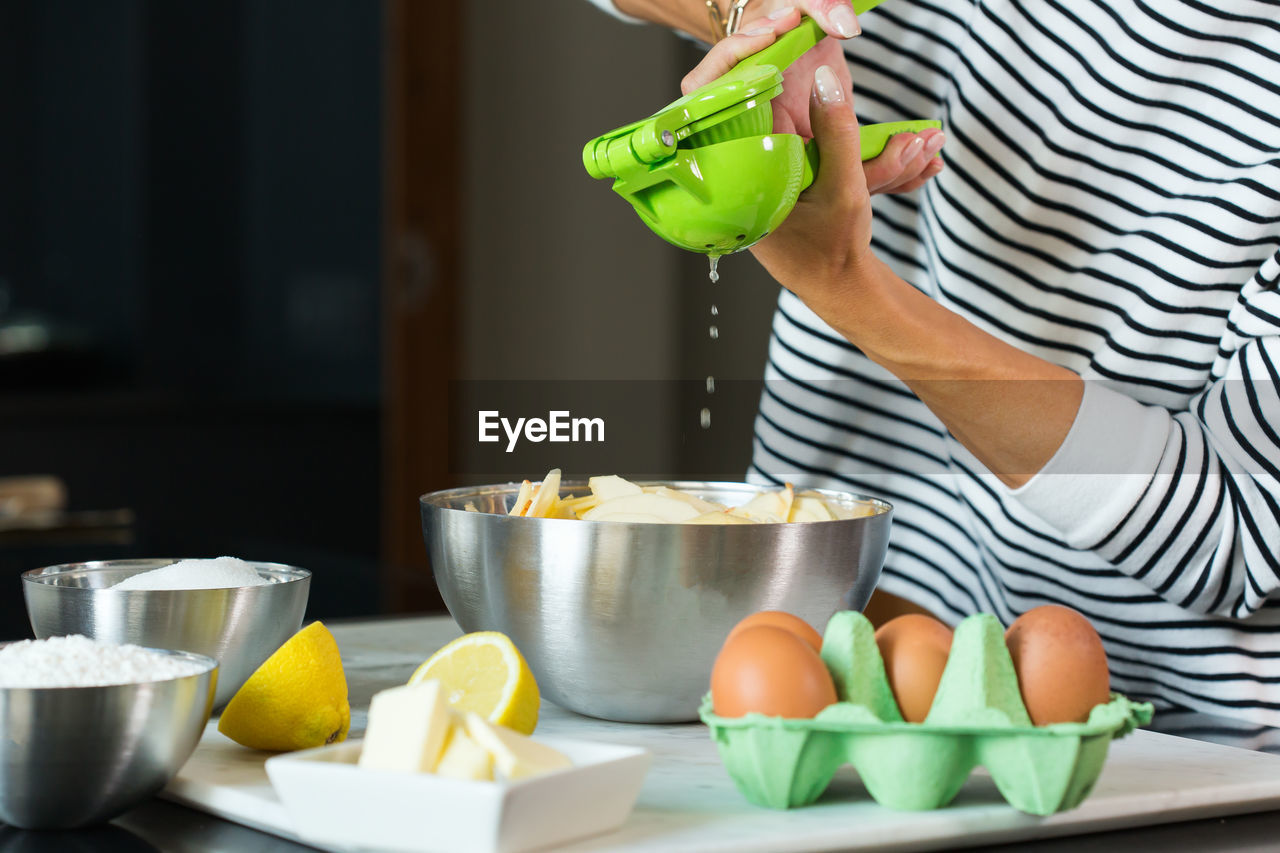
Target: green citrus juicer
(707,173)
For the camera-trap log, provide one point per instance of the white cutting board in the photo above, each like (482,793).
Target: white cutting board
(688,802)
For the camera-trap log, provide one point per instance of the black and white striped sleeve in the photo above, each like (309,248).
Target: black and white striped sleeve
(1187,502)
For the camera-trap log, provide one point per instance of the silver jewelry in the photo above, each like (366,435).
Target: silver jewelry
(732,19)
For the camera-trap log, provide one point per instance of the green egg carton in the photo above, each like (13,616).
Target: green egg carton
(977,718)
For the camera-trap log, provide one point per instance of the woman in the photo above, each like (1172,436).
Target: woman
(1059,359)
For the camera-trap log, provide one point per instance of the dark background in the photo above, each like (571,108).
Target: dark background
(189,266)
(248,246)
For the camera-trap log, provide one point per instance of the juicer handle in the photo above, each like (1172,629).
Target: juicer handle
(874,138)
(789,47)
(793,44)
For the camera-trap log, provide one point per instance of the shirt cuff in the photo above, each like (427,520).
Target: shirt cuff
(1101,470)
(607,5)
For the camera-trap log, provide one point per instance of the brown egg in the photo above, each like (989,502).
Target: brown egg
(914,648)
(771,671)
(779,619)
(1061,664)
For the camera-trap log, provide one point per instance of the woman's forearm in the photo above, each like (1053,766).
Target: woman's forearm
(688,16)
(1011,409)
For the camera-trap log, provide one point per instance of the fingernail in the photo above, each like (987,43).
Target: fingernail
(781,13)
(913,148)
(934,145)
(829,89)
(758,31)
(845,22)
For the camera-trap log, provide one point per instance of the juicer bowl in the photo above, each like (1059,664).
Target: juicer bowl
(239,627)
(75,756)
(726,196)
(623,621)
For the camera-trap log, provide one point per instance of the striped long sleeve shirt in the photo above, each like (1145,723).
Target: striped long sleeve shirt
(1111,203)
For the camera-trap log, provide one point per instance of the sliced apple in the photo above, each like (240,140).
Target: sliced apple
(614,498)
(810,508)
(702,506)
(523,497)
(720,516)
(663,508)
(612,486)
(572,507)
(859,509)
(633,517)
(767,507)
(546,495)
(562,508)
(862,509)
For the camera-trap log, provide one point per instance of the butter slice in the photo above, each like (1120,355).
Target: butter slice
(407,728)
(463,758)
(516,756)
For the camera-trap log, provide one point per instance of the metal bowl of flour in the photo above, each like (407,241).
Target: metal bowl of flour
(76,756)
(239,627)
(622,620)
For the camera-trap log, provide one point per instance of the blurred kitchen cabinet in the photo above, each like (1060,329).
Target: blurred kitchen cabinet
(422,250)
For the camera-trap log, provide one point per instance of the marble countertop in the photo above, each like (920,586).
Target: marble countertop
(689,803)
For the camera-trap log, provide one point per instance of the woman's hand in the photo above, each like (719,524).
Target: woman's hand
(822,250)
(906,162)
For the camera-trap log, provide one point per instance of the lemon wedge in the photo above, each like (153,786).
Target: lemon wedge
(484,673)
(297,699)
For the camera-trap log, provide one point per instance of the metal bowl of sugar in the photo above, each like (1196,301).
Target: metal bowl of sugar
(76,756)
(237,626)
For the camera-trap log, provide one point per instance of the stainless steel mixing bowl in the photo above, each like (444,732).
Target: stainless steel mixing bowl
(239,627)
(74,756)
(622,620)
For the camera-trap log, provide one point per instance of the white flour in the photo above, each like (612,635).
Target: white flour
(77,661)
(217,573)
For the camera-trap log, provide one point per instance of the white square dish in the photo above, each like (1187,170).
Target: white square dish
(332,801)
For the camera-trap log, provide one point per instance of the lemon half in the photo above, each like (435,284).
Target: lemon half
(297,699)
(485,673)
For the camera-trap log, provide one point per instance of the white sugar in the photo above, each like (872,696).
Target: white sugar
(217,573)
(77,661)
